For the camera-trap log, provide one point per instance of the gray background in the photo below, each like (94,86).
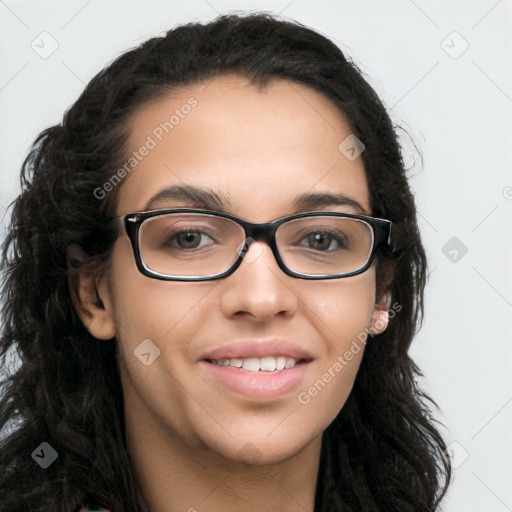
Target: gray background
(455,102)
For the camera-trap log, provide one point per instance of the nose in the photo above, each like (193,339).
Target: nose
(259,289)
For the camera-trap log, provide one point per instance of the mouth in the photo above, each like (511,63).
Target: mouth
(259,364)
(256,369)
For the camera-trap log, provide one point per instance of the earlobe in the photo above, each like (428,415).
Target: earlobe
(380,315)
(98,306)
(93,303)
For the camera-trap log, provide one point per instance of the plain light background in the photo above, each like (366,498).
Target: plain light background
(443,70)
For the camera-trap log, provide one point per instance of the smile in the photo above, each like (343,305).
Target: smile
(255,379)
(261,364)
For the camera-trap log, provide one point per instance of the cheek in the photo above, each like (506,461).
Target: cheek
(343,309)
(171,315)
(152,309)
(157,323)
(343,317)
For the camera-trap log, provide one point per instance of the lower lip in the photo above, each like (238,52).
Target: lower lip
(257,384)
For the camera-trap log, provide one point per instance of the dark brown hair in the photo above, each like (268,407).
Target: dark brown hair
(381,453)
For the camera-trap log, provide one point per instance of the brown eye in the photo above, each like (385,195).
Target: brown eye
(189,240)
(323,241)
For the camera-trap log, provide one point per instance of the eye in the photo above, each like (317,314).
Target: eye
(189,239)
(325,241)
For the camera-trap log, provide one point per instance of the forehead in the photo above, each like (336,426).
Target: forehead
(259,148)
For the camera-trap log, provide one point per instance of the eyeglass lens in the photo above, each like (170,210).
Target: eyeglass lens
(193,244)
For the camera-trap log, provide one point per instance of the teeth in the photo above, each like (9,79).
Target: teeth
(267,364)
(251,364)
(254,364)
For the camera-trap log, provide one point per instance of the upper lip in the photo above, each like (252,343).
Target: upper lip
(258,348)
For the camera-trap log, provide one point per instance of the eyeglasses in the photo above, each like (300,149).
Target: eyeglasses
(188,244)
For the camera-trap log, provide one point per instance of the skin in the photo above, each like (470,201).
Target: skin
(186,434)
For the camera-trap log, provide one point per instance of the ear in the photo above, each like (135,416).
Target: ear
(91,296)
(380,314)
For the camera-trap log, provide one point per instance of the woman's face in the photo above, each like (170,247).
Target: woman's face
(257,152)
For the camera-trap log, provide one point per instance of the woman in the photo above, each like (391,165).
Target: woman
(212,278)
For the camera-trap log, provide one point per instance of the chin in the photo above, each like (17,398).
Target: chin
(256,451)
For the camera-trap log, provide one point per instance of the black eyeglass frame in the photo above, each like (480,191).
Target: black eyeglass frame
(130,225)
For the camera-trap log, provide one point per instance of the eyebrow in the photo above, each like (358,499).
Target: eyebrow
(198,197)
(208,199)
(313,201)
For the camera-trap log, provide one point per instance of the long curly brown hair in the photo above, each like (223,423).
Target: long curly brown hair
(383,452)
